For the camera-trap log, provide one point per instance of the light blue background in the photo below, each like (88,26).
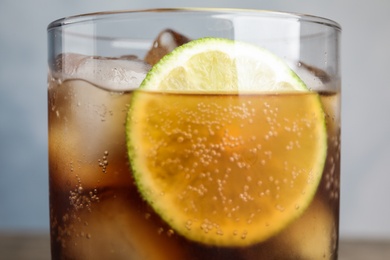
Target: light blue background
(365,106)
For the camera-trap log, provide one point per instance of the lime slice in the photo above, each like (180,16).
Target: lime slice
(226,143)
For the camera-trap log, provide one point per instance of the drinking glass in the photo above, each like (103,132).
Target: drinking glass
(240,189)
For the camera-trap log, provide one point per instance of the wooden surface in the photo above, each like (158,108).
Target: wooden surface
(37,247)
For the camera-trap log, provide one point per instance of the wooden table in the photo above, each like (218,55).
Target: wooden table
(18,246)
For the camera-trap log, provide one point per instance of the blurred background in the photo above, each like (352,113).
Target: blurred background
(365,210)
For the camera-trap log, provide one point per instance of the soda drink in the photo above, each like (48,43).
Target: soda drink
(98,210)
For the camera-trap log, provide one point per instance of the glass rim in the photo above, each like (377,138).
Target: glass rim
(94,16)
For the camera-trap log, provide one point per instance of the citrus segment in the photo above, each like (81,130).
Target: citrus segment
(221,65)
(225,168)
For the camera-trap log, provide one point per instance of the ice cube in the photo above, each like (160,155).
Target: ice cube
(321,75)
(309,75)
(319,80)
(165,42)
(112,229)
(312,236)
(86,130)
(116,74)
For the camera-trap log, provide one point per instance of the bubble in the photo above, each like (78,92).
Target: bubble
(170,232)
(219,232)
(65,218)
(280,208)
(189,225)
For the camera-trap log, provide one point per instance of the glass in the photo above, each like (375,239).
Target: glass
(97,209)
